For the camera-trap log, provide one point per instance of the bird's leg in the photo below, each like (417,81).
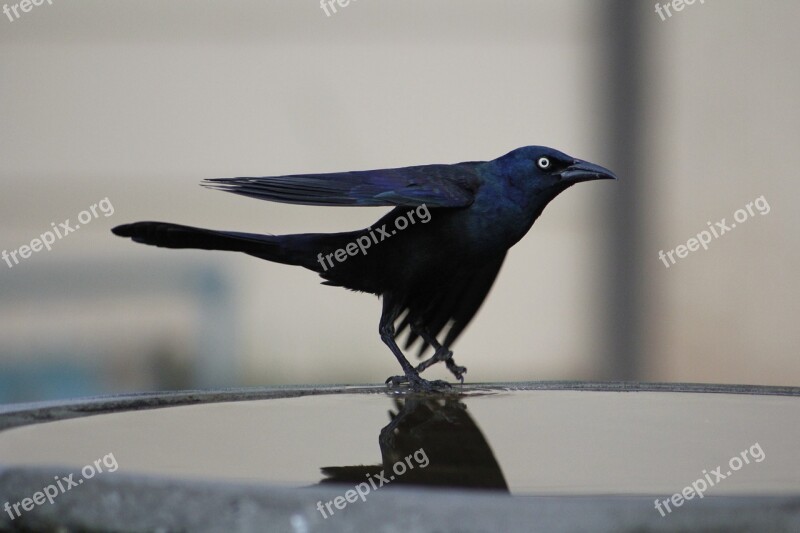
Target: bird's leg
(386,329)
(441,354)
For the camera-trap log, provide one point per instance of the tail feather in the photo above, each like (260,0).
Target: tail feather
(277,248)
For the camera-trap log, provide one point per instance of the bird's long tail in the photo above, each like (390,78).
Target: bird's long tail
(288,249)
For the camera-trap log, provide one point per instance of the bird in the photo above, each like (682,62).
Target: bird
(431,260)
(429,425)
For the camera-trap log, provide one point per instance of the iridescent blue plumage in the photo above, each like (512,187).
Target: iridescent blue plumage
(432,274)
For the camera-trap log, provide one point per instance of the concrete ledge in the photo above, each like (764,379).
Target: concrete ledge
(133,503)
(128,502)
(15,415)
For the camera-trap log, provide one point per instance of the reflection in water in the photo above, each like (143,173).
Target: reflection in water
(455,450)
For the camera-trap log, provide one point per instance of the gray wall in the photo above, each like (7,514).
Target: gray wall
(139,101)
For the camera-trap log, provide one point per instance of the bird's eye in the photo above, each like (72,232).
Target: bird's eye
(543,163)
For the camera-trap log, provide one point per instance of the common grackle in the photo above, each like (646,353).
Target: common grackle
(432,259)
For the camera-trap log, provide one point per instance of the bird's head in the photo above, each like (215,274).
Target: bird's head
(532,176)
(540,170)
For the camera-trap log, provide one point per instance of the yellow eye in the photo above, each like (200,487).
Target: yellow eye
(543,163)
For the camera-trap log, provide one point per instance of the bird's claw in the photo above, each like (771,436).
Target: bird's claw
(457,371)
(419,384)
(394,381)
(442,354)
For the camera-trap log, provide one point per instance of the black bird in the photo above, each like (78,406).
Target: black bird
(428,426)
(432,259)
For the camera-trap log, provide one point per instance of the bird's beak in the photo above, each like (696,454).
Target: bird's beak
(580,171)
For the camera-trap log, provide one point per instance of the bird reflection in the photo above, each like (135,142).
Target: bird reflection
(437,441)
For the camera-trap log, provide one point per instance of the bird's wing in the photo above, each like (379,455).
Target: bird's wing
(457,305)
(433,185)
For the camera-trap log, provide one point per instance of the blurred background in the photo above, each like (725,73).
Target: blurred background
(113,112)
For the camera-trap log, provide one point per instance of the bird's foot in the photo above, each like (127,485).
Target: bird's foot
(442,354)
(457,371)
(418,384)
